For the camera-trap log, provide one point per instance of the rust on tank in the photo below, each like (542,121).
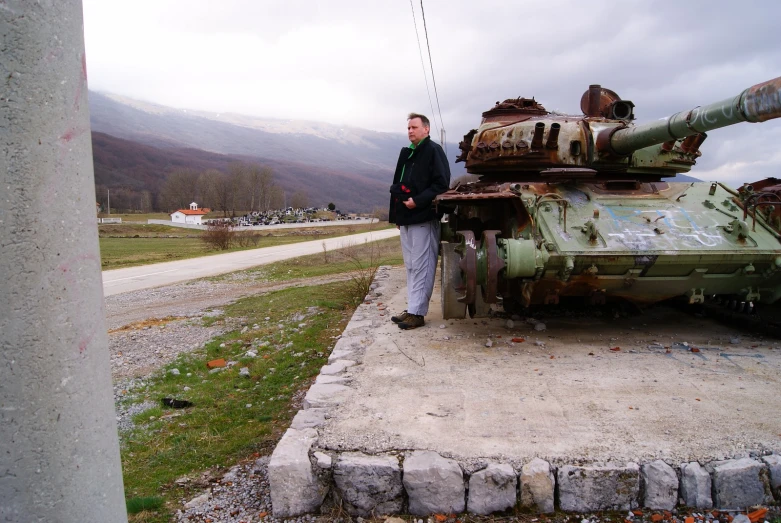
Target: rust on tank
(763,198)
(524,108)
(762,102)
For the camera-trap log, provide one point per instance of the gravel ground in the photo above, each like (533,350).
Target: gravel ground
(137,352)
(242,494)
(149,329)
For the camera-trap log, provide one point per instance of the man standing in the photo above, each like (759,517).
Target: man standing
(422,173)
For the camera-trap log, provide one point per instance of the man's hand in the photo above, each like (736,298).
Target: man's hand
(410,203)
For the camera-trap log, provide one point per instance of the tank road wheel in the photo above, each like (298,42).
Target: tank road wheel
(494,265)
(479,309)
(468,264)
(452,283)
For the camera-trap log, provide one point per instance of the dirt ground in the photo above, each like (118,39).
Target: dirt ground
(192,298)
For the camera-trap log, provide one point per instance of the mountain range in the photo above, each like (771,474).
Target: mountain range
(137,144)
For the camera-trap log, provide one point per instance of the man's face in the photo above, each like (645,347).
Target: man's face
(416,131)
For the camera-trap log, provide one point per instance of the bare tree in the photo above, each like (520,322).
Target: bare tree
(266,188)
(214,185)
(179,189)
(145,201)
(237,188)
(300,200)
(277,197)
(254,181)
(240,180)
(253,186)
(206,188)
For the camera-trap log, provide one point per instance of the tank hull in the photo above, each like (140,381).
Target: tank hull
(578,206)
(640,242)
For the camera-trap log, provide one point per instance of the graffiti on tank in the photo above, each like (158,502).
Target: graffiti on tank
(663,229)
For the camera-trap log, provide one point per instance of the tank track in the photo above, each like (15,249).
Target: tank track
(745,316)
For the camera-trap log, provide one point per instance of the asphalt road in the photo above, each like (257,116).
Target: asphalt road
(146,276)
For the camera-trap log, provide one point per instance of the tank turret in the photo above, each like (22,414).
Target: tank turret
(576,207)
(521,136)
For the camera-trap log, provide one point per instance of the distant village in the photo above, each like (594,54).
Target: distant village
(195,216)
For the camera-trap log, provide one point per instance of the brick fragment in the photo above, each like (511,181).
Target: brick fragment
(213,364)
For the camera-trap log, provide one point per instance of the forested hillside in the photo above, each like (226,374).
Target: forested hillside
(144,178)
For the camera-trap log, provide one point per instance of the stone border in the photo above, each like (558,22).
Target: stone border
(421,482)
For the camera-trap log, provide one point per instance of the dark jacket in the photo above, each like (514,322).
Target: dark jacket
(426,174)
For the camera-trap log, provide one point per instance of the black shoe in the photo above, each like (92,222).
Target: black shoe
(413,321)
(401,317)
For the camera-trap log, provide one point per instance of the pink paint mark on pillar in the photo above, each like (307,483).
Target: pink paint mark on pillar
(70,134)
(85,341)
(53,184)
(72,289)
(82,83)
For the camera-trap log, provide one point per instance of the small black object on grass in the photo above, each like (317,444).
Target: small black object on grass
(175,403)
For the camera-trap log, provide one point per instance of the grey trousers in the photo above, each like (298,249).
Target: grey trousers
(420,247)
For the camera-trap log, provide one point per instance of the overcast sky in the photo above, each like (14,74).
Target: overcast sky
(356,62)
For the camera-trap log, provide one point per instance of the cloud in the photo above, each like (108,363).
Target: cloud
(358,63)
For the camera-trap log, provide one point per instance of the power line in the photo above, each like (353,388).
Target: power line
(423,63)
(433,79)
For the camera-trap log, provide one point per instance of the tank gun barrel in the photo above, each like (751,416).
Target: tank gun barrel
(756,104)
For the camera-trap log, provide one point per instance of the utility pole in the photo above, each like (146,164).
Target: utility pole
(108,200)
(59,449)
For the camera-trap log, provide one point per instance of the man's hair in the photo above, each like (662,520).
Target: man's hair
(423,119)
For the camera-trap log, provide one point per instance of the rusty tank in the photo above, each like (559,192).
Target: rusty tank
(581,206)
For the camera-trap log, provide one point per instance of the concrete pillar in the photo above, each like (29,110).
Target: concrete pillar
(59,450)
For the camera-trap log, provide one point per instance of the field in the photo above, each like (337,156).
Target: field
(138,218)
(128,245)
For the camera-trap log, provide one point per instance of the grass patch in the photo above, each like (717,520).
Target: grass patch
(137,230)
(136,505)
(137,217)
(351,258)
(132,245)
(116,253)
(233,417)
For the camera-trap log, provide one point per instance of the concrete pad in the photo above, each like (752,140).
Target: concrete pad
(569,399)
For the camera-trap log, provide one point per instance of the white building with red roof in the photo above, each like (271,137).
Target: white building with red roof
(193,215)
